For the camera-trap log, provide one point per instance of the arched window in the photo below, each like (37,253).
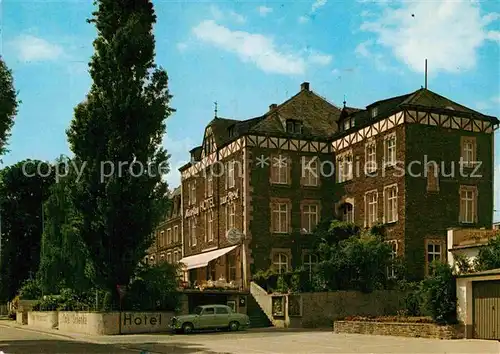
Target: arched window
(347,212)
(280,262)
(309,261)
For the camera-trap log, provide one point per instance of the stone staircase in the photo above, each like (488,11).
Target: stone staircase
(258,319)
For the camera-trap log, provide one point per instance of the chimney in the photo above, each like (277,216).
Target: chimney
(273,106)
(304,86)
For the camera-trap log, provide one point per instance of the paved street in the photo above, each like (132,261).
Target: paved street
(14,341)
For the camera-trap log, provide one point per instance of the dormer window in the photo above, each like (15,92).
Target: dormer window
(349,123)
(231,131)
(374,112)
(293,126)
(209,146)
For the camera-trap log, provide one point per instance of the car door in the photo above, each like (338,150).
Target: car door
(222,316)
(207,318)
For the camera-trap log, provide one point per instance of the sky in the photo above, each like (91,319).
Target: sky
(247,55)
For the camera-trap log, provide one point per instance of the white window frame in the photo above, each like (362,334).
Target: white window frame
(309,264)
(192,192)
(209,235)
(277,209)
(345,162)
(209,186)
(391,270)
(169,236)
(468,151)
(231,180)
(230,216)
(192,231)
(169,257)
(311,178)
(347,216)
(390,150)
(371,157)
(311,218)
(280,261)
(162,238)
(280,171)
(369,213)
(468,198)
(374,112)
(391,201)
(435,254)
(176,233)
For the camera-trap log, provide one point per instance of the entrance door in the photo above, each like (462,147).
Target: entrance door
(486,311)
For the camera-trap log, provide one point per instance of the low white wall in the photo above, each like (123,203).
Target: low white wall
(43,319)
(22,317)
(108,323)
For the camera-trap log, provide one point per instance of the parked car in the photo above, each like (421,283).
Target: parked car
(210,317)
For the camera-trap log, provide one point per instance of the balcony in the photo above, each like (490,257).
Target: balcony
(210,285)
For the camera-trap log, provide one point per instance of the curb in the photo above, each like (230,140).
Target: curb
(36,330)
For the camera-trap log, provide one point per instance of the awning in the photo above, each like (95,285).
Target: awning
(202,259)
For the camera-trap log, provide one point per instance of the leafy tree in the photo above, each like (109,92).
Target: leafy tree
(439,293)
(64,257)
(489,256)
(8,105)
(357,263)
(121,124)
(23,191)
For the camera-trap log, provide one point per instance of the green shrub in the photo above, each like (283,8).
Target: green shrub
(439,294)
(30,290)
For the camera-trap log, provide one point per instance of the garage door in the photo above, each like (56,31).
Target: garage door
(486,295)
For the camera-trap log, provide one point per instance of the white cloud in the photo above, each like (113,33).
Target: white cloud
(492,103)
(31,48)
(318,4)
(449,39)
(320,59)
(182,46)
(179,151)
(303,19)
(251,47)
(264,10)
(219,15)
(362,48)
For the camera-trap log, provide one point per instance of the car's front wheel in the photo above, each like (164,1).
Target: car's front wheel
(234,326)
(187,328)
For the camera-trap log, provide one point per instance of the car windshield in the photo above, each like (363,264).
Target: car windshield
(197,310)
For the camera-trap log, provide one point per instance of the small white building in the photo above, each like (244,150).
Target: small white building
(496,225)
(478,293)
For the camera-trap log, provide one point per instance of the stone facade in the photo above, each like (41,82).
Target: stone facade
(274,202)
(417,330)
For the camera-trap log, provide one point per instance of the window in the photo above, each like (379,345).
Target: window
(310,171)
(374,112)
(468,151)
(209,145)
(347,212)
(162,238)
(371,157)
(345,168)
(391,203)
(174,259)
(192,230)
(230,175)
(309,261)
(169,257)
(280,262)
(209,234)
(371,209)
(231,131)
(349,123)
(390,150)
(221,311)
(432,171)
(162,257)
(192,192)
(391,270)
(280,166)
(468,204)
(433,253)
(209,184)
(176,233)
(231,267)
(293,126)
(208,311)
(169,236)
(212,268)
(230,216)
(310,216)
(280,220)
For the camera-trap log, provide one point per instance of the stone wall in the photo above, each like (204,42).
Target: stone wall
(43,319)
(320,309)
(419,330)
